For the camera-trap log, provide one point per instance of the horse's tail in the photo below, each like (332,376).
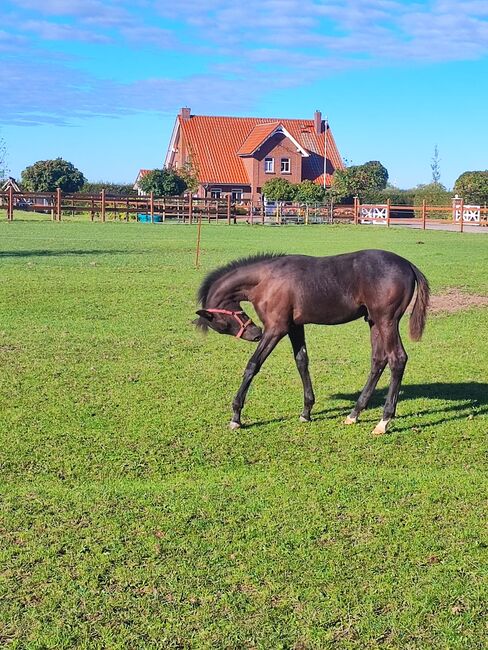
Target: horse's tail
(419,312)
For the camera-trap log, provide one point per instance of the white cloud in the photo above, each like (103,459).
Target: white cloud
(262,44)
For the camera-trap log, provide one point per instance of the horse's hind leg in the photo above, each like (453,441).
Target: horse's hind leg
(397,360)
(265,347)
(297,338)
(378,363)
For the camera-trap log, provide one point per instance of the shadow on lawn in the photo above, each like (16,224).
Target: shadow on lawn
(53,253)
(466,397)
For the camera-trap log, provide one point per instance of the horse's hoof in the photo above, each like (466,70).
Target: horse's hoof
(350,420)
(234,425)
(380,428)
(304,419)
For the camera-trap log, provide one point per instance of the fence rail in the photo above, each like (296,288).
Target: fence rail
(101,207)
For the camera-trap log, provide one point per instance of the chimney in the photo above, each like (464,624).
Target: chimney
(317,122)
(185,114)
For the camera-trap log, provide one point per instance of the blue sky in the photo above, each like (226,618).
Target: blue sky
(99,83)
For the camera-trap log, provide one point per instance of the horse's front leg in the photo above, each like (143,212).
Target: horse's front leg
(265,347)
(297,338)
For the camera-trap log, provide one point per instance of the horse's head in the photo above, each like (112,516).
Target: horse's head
(227,321)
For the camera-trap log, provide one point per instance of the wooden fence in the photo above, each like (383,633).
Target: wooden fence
(102,207)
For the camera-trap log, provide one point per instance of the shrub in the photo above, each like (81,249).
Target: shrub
(473,187)
(48,175)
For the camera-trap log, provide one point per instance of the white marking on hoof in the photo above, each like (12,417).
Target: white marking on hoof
(234,425)
(304,419)
(380,428)
(350,420)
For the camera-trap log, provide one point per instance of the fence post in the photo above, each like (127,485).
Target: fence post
(356,210)
(10,204)
(388,206)
(151,206)
(461,218)
(102,202)
(58,204)
(190,210)
(423,214)
(228,209)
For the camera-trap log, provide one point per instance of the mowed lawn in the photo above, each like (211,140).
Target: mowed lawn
(132,517)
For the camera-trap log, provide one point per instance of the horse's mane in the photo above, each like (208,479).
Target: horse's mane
(218,273)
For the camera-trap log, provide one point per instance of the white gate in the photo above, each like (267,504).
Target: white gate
(376,214)
(471,213)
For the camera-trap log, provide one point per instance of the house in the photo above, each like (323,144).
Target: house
(237,155)
(142,172)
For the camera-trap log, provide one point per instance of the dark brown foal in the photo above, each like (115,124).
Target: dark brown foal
(288,291)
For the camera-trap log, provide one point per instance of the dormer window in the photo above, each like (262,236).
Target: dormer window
(285,166)
(269,165)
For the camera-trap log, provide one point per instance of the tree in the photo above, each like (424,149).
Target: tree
(163,182)
(436,171)
(359,180)
(309,192)
(279,189)
(48,175)
(473,187)
(3,160)
(189,174)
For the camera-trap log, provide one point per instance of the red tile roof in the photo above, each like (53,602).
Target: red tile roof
(214,144)
(258,135)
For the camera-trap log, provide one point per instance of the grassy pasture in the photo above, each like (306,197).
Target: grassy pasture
(132,517)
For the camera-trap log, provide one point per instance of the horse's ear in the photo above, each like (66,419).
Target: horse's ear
(205,314)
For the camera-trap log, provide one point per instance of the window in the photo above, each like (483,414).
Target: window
(285,166)
(269,165)
(236,195)
(215,193)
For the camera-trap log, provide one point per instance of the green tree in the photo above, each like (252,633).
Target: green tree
(309,192)
(473,187)
(359,180)
(163,182)
(48,175)
(279,189)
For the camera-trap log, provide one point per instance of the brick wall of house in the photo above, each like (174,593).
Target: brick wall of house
(277,147)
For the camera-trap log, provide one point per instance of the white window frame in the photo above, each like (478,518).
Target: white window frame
(216,191)
(236,191)
(285,162)
(271,169)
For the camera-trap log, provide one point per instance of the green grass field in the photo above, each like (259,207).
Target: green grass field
(132,517)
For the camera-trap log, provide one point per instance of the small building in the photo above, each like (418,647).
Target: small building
(237,155)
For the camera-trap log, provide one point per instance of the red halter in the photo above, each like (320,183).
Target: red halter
(235,314)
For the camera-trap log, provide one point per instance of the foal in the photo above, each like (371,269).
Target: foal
(289,291)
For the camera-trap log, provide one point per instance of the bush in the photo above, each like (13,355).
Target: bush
(48,175)
(162,182)
(359,180)
(279,189)
(473,187)
(309,192)
(435,194)
(116,189)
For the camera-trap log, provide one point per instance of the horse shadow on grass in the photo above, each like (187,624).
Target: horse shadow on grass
(467,399)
